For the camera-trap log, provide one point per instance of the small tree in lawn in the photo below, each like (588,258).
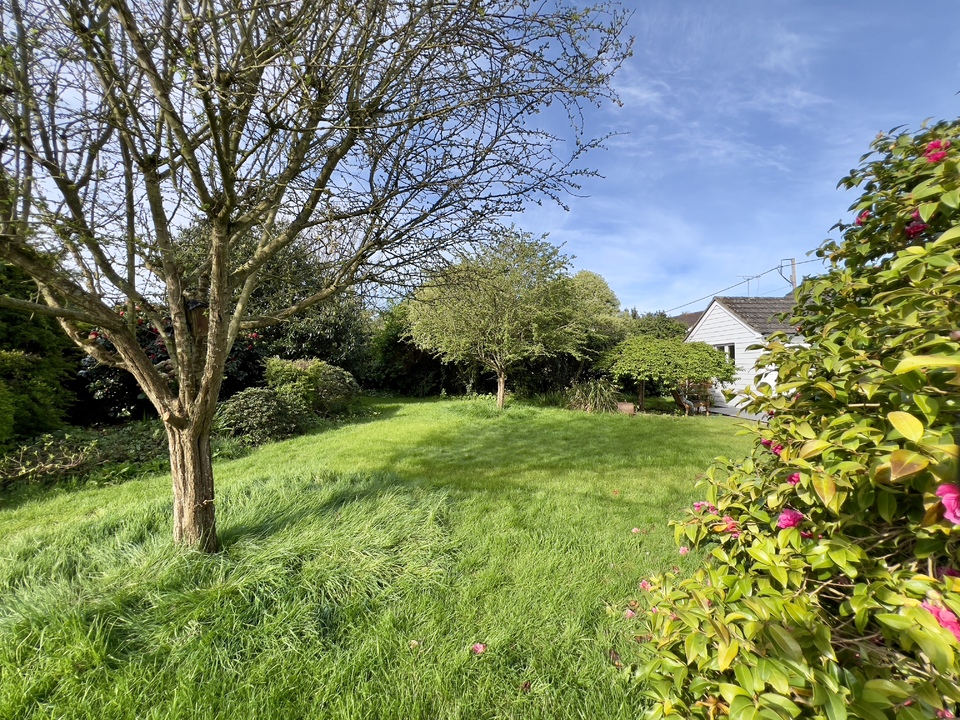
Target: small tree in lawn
(380,134)
(832,588)
(510,302)
(669,363)
(597,313)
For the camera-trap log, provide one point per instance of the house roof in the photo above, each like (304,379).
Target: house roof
(689,319)
(760,313)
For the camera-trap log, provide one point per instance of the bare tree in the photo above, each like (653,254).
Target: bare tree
(382,133)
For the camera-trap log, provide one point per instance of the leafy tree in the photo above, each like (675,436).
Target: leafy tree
(596,312)
(656,324)
(511,302)
(834,585)
(670,363)
(381,135)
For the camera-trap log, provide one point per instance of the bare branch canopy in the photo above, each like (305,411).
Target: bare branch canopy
(378,135)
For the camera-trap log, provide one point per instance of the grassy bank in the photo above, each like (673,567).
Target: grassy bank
(361,565)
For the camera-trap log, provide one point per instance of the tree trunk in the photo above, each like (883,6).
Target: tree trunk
(501,390)
(642,384)
(191,465)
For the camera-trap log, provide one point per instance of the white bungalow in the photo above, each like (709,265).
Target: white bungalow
(732,324)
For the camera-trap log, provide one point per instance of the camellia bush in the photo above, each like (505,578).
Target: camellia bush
(832,588)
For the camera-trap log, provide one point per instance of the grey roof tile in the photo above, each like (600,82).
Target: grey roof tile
(761,313)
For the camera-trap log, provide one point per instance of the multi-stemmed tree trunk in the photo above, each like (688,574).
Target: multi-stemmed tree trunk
(378,136)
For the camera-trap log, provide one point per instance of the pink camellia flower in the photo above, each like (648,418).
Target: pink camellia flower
(863,217)
(644,585)
(950,497)
(789,518)
(938,145)
(943,572)
(709,507)
(766,442)
(628,613)
(794,479)
(806,534)
(915,228)
(730,526)
(945,714)
(684,550)
(478,648)
(945,617)
(936,156)
(777,449)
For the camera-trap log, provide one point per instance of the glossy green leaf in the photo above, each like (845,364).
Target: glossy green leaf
(785,642)
(928,406)
(726,654)
(812,448)
(905,463)
(887,505)
(906,424)
(836,708)
(781,703)
(896,622)
(927,362)
(933,646)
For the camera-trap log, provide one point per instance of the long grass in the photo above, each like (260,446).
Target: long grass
(361,564)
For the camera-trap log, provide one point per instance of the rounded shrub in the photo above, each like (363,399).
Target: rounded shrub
(259,415)
(323,388)
(832,588)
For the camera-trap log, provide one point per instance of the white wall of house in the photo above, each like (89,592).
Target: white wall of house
(717,326)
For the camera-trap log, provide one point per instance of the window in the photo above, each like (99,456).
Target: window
(729,350)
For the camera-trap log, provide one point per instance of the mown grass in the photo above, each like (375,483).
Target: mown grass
(360,565)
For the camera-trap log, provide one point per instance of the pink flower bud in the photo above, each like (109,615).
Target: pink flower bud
(684,550)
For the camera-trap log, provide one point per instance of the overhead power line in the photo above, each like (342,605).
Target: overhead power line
(742,282)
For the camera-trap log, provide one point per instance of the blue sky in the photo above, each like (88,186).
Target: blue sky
(739,118)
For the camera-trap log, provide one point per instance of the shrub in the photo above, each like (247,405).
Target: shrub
(37,361)
(833,588)
(600,395)
(36,392)
(7,410)
(324,389)
(259,415)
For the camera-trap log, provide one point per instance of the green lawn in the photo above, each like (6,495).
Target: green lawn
(360,565)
